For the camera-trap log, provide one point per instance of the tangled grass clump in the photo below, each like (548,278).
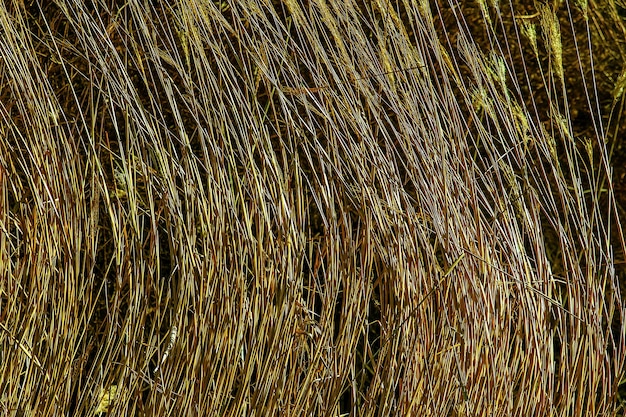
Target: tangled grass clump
(314,208)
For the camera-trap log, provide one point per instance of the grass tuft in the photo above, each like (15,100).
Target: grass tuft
(312,208)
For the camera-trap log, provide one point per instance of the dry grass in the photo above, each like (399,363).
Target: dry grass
(310,209)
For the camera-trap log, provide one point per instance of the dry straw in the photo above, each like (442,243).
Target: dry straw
(376,208)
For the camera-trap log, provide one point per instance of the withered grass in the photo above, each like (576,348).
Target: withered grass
(316,208)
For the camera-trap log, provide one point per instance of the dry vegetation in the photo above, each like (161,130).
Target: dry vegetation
(341,208)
